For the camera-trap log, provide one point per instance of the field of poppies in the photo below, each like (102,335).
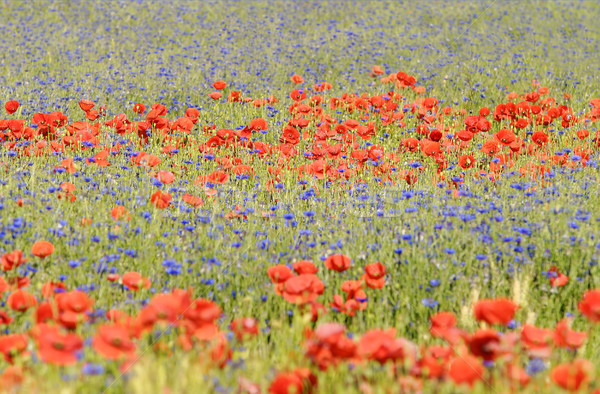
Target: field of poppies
(288,197)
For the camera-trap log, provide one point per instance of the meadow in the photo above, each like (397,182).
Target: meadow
(274,196)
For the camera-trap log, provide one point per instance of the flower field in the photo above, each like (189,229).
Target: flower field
(288,197)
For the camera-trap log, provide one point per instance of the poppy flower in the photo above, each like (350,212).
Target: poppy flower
(4,318)
(539,137)
(297,79)
(12,377)
(302,289)
(49,288)
(42,249)
(112,342)
(139,108)
(259,124)
(160,200)
(495,311)
(244,327)
(590,305)
(338,262)
(135,281)
(215,95)
(305,267)
(300,380)
(55,347)
(75,301)
(466,369)
(382,346)
(565,337)
(557,278)
(86,105)
(119,212)
(12,260)
(466,161)
(506,137)
(573,375)
(11,106)
(374,275)
(218,177)
(376,70)
(464,135)
(194,201)
(537,340)
(442,320)
(219,85)
(517,374)
(21,300)
(484,343)
(279,273)
(298,94)
(166,177)
(12,346)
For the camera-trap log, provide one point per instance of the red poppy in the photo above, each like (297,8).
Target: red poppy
(119,212)
(11,106)
(290,135)
(75,301)
(565,337)
(298,94)
(299,381)
(12,260)
(443,325)
(382,346)
(55,347)
(302,289)
(495,311)
(297,78)
(12,377)
(160,200)
(259,124)
(166,177)
(490,147)
(215,95)
(338,262)
(194,201)
(537,340)
(305,267)
(139,108)
(218,177)
(466,369)
(86,105)
(374,275)
(42,249)
(135,281)
(376,70)
(193,114)
(49,288)
(279,273)
(219,85)
(112,341)
(244,327)
(539,137)
(21,300)
(484,343)
(557,278)
(466,161)
(590,305)
(4,318)
(517,374)
(12,346)
(506,137)
(573,375)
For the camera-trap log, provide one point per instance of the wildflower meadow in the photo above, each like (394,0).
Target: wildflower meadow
(299,196)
